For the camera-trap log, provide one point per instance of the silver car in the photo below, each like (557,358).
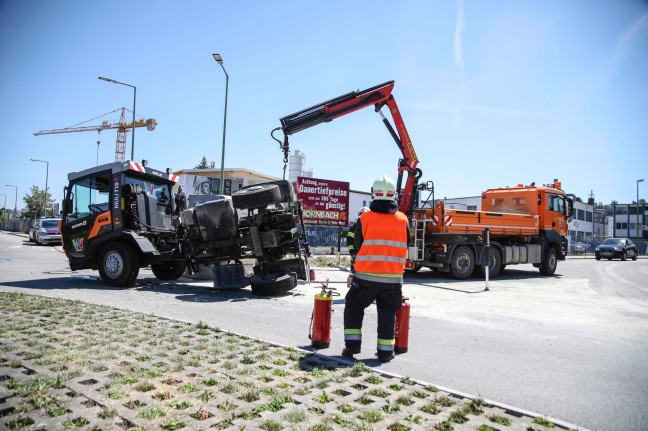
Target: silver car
(46,231)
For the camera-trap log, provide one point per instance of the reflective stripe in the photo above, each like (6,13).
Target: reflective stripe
(385,348)
(383,259)
(385,242)
(351,234)
(350,247)
(387,278)
(384,342)
(353,335)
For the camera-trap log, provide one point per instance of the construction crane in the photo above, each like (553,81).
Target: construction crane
(122,127)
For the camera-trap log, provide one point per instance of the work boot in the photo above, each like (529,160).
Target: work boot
(348,352)
(385,356)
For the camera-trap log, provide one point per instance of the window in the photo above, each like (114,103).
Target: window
(633,225)
(472,208)
(580,235)
(588,216)
(580,215)
(621,225)
(557,204)
(519,201)
(90,195)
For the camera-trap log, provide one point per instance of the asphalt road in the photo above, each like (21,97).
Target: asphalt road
(571,347)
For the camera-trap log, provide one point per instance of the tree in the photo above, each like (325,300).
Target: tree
(204,165)
(34,202)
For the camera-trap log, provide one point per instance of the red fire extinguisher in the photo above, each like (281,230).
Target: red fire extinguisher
(320,330)
(401,329)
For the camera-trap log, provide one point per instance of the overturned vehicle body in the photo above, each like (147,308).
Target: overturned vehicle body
(122,216)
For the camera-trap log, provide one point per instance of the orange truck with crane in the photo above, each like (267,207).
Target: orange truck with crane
(525,224)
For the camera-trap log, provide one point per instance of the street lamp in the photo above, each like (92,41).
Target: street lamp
(16,201)
(219,60)
(46,178)
(134,99)
(637,225)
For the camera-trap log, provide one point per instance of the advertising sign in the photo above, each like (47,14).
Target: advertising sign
(325,202)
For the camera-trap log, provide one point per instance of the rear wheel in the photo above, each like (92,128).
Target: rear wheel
(118,264)
(272,284)
(463,263)
(171,270)
(494,264)
(548,266)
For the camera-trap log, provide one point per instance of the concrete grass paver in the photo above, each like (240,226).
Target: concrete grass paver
(72,365)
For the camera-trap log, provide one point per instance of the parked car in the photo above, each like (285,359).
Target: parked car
(46,231)
(616,248)
(579,248)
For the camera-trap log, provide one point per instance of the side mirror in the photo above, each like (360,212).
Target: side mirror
(66,206)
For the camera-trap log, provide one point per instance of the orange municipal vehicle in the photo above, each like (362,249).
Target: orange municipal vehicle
(524,224)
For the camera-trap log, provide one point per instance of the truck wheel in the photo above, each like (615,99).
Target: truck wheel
(171,270)
(494,264)
(118,264)
(548,266)
(463,263)
(272,284)
(256,196)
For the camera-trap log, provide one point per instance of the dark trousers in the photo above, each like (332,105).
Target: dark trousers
(361,294)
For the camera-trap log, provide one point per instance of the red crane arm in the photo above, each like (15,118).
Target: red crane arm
(378,96)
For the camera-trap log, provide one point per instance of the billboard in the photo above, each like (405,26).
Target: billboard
(203,185)
(325,202)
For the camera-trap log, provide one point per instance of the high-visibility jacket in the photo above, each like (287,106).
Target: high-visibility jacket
(383,252)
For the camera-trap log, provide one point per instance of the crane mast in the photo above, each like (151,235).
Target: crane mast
(122,128)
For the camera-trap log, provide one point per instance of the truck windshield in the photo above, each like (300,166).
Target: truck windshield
(158,190)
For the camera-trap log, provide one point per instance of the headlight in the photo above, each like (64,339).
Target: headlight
(597,249)
(617,248)
(42,231)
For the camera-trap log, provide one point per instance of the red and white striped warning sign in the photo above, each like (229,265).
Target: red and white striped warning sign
(136,166)
(447,221)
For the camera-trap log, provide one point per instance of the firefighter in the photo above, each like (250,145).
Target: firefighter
(381,238)
(350,237)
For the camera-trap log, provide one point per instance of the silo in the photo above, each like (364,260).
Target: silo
(296,166)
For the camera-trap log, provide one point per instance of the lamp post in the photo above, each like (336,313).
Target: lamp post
(134,99)
(219,60)
(637,224)
(16,201)
(46,178)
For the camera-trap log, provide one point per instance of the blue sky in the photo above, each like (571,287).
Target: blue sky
(493,93)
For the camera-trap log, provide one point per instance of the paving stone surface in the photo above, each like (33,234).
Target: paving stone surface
(71,365)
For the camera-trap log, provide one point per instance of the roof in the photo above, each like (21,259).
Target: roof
(231,173)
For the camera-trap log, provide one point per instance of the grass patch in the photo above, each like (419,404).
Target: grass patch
(544,422)
(152,413)
(501,420)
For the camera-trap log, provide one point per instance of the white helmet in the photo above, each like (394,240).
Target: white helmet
(363,210)
(384,189)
